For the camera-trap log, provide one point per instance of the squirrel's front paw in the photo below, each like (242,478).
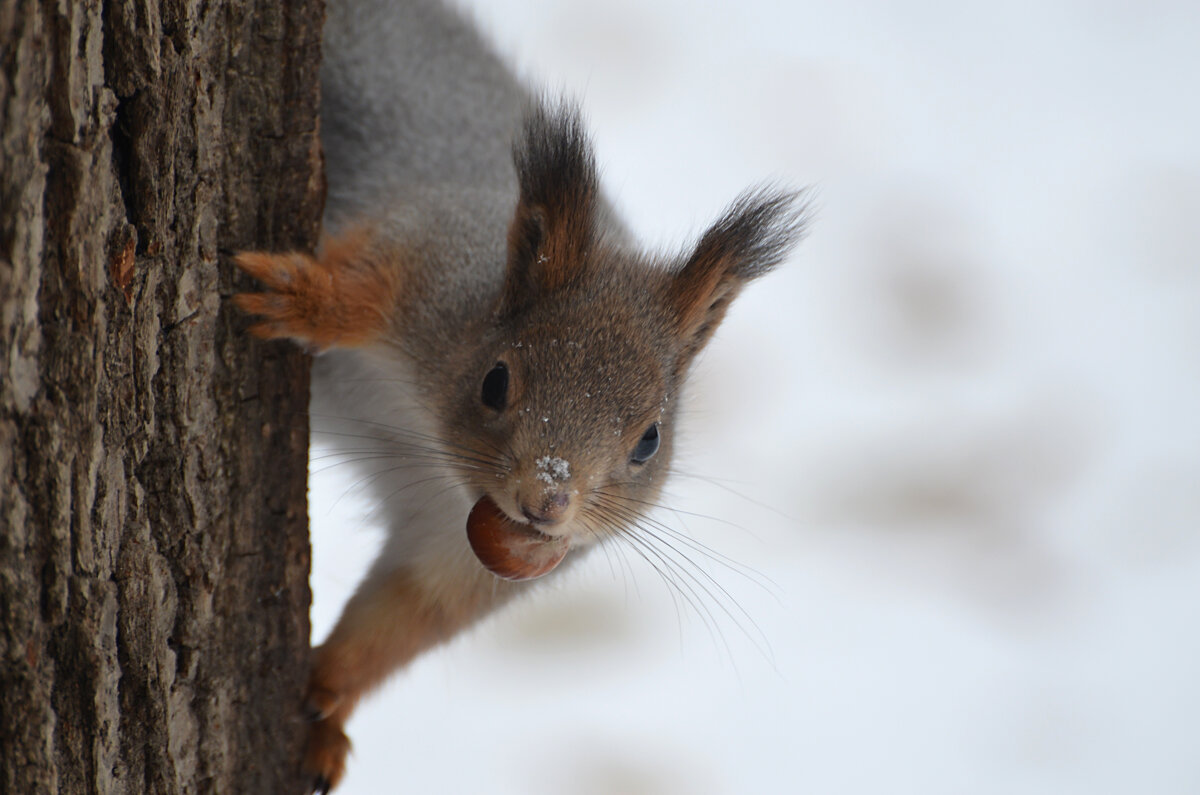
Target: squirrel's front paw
(325,754)
(295,297)
(343,297)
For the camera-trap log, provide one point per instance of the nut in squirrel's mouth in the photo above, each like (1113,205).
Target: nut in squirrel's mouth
(509,549)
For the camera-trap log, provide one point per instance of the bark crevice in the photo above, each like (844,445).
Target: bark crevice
(141,649)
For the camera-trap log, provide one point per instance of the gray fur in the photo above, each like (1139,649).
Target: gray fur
(411,96)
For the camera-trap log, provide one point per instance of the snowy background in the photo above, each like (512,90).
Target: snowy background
(953,446)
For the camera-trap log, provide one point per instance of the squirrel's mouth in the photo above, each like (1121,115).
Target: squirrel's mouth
(511,550)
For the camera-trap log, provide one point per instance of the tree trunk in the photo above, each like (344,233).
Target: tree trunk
(153,534)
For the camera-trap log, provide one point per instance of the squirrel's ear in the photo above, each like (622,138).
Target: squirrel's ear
(752,237)
(554,226)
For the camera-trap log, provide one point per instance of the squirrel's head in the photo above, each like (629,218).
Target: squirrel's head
(558,407)
(575,387)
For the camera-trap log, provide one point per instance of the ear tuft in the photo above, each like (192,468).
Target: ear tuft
(555,223)
(553,155)
(753,236)
(756,233)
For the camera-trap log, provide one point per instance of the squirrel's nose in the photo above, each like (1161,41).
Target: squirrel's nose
(550,508)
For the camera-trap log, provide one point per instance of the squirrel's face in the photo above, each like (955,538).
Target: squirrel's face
(576,406)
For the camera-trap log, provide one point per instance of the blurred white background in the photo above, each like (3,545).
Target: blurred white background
(955,440)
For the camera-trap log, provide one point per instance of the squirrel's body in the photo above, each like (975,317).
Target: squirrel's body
(412,96)
(501,357)
(418,117)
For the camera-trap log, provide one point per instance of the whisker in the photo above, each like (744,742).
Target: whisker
(369,478)
(452,483)
(423,465)
(721,483)
(689,568)
(742,570)
(602,533)
(421,454)
(661,506)
(686,586)
(414,396)
(430,452)
(406,432)
(674,590)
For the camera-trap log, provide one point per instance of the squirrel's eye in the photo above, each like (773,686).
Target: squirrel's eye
(495,387)
(647,446)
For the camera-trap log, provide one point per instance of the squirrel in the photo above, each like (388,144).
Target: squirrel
(487,328)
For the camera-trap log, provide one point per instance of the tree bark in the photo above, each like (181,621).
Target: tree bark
(153,526)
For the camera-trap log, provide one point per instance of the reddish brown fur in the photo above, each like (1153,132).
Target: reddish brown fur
(699,294)
(345,297)
(380,631)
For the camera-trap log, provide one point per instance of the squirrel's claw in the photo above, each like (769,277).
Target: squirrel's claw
(320,703)
(325,754)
